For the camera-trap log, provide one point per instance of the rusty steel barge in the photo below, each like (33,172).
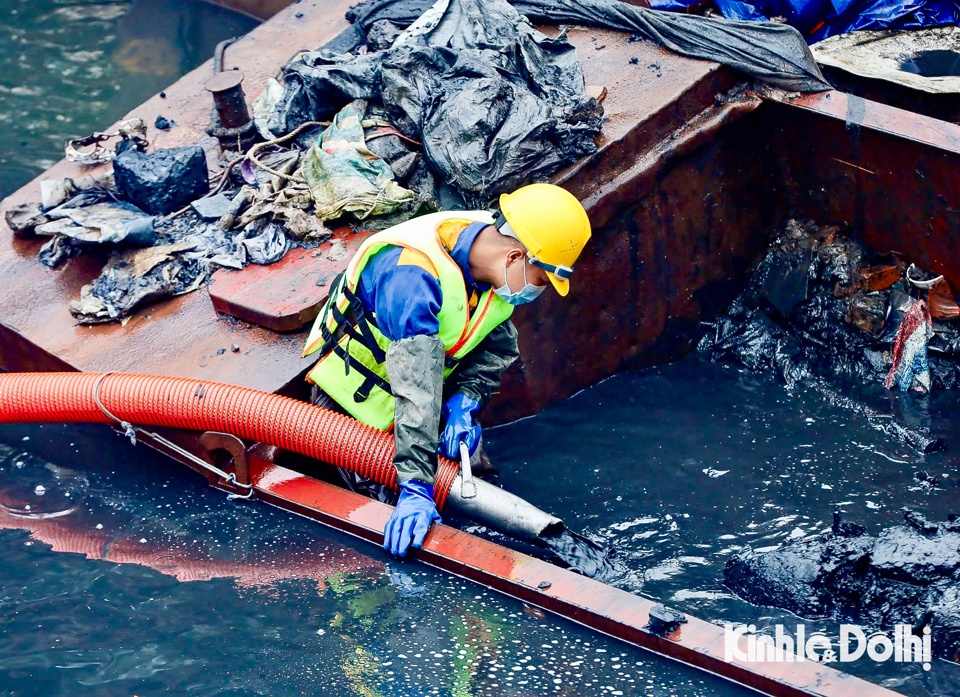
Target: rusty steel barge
(690,177)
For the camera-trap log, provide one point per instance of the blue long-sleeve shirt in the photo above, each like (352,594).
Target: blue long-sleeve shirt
(405,296)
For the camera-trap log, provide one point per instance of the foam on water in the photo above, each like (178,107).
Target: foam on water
(157,583)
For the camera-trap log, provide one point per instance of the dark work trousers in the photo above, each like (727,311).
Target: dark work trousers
(352,480)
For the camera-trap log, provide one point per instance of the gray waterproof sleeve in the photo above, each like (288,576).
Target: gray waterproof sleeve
(415,370)
(478,374)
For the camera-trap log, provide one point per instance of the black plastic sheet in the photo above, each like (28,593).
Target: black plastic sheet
(774,53)
(495,103)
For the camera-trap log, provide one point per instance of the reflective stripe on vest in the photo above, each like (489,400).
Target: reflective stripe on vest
(348,370)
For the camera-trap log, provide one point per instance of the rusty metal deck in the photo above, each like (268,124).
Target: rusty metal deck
(185,336)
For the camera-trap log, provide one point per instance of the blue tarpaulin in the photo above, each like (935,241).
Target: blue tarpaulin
(818,19)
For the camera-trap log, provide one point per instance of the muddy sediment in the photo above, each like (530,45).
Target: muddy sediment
(855,324)
(906,574)
(821,304)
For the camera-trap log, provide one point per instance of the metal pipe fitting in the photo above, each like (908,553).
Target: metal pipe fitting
(502,511)
(228,98)
(230,122)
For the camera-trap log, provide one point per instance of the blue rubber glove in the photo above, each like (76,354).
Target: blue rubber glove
(458,413)
(414,514)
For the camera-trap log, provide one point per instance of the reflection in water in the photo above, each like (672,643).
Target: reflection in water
(186,560)
(67,70)
(283,606)
(58,508)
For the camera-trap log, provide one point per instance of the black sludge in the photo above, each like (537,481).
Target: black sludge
(162,181)
(823,310)
(580,553)
(907,574)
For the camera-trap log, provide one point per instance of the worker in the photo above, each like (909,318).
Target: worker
(417,331)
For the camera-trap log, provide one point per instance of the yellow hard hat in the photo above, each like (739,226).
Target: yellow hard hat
(551,224)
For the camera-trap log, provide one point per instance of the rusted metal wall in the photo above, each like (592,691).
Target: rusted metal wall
(650,274)
(677,251)
(896,194)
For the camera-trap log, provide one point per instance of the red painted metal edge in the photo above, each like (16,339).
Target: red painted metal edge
(593,604)
(287,295)
(258,9)
(859,112)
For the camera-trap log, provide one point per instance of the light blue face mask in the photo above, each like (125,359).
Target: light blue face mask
(528,293)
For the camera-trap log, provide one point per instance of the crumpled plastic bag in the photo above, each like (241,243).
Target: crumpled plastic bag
(758,343)
(24,218)
(319,83)
(133,278)
(53,192)
(57,250)
(498,103)
(109,222)
(494,102)
(264,244)
(264,105)
(345,177)
(288,206)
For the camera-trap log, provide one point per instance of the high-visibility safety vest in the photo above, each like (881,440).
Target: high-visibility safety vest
(352,367)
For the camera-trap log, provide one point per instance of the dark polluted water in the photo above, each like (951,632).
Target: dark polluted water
(678,467)
(126,574)
(68,68)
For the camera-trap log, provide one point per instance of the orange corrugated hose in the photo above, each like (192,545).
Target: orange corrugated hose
(200,405)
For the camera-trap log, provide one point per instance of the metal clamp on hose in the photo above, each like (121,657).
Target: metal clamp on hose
(228,477)
(468,487)
(131,432)
(128,430)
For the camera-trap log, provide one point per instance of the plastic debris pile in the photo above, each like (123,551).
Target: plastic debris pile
(771,52)
(498,104)
(822,305)
(494,102)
